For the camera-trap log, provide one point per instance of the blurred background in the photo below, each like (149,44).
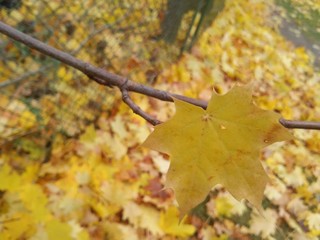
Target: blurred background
(188,47)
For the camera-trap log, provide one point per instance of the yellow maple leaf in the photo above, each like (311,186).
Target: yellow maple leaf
(89,135)
(142,217)
(169,223)
(58,230)
(313,221)
(27,120)
(265,224)
(9,179)
(219,145)
(20,226)
(117,231)
(36,201)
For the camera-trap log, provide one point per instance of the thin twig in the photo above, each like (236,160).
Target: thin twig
(9,220)
(22,77)
(103,77)
(136,109)
(300,124)
(97,31)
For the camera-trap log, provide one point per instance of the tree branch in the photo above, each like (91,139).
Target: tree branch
(136,109)
(105,78)
(125,85)
(300,124)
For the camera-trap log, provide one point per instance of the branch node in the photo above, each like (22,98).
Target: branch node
(125,95)
(124,85)
(135,108)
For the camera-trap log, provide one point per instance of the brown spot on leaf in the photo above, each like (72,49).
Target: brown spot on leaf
(210,178)
(271,134)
